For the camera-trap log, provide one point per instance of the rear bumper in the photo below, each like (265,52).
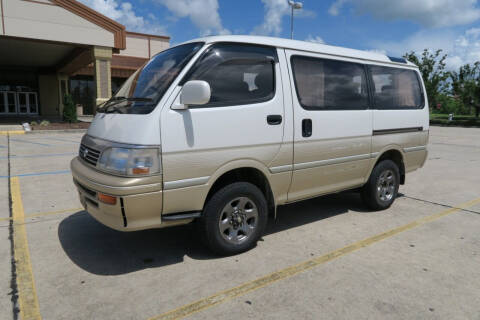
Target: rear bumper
(139,200)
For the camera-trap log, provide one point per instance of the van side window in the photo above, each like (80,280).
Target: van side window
(324,84)
(395,88)
(237,74)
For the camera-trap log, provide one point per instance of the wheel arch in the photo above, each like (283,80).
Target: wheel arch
(395,154)
(243,171)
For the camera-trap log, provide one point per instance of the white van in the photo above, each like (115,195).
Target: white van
(222,130)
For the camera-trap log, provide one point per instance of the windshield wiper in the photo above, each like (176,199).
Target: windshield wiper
(116,100)
(121,98)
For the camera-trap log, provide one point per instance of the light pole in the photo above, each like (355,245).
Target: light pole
(294,5)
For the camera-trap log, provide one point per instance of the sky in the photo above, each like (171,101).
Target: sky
(388,26)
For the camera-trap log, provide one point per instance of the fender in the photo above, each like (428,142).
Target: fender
(243,163)
(375,156)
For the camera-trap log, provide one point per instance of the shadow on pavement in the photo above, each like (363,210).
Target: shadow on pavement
(100,250)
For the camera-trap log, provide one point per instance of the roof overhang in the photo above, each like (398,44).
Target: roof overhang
(93,16)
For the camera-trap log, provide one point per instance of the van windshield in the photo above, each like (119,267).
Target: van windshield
(143,90)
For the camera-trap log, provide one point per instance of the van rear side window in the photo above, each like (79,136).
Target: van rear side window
(396,88)
(323,84)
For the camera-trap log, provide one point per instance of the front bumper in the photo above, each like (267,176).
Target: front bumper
(139,200)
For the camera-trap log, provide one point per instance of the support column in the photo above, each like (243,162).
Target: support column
(102,57)
(62,80)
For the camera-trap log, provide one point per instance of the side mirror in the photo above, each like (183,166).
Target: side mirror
(194,92)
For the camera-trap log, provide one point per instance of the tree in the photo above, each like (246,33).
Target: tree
(465,85)
(432,68)
(69,110)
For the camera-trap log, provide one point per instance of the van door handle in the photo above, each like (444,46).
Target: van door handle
(274,119)
(307,128)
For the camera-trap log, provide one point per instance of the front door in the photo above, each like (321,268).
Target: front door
(242,122)
(332,125)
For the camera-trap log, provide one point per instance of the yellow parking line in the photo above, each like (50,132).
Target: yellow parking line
(41,214)
(244,288)
(27,294)
(12,132)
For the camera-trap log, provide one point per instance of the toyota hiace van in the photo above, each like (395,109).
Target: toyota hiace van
(223,130)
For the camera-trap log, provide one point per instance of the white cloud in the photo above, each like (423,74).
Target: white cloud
(203,14)
(336,6)
(460,48)
(316,39)
(430,13)
(466,49)
(123,13)
(424,39)
(379,51)
(275,10)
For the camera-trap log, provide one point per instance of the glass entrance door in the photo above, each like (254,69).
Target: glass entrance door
(22,102)
(27,103)
(8,102)
(32,103)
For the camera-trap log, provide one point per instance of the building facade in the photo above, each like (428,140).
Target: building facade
(49,48)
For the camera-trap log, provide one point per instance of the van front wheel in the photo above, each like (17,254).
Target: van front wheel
(382,187)
(234,218)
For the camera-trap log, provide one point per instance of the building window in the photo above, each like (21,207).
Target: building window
(82,89)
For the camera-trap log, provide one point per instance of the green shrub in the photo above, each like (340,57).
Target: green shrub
(69,110)
(44,123)
(455,116)
(34,123)
(458,123)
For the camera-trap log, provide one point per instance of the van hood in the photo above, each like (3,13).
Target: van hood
(142,129)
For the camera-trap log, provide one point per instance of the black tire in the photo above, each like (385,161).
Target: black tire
(371,195)
(209,223)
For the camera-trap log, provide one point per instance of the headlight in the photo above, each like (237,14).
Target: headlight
(131,162)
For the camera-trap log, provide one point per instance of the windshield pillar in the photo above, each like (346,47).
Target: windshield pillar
(102,58)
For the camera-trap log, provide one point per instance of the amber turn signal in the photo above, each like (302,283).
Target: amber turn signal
(141,170)
(107,199)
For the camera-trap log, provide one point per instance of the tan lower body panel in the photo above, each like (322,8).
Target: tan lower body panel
(142,203)
(193,198)
(415,160)
(325,179)
(404,143)
(381,143)
(324,166)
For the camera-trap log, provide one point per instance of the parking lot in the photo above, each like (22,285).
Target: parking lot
(327,257)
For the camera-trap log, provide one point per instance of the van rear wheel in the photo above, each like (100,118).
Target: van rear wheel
(382,187)
(234,219)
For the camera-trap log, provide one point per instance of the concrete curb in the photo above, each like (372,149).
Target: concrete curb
(57,131)
(11,132)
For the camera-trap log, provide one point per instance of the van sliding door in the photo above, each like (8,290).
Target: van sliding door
(333,124)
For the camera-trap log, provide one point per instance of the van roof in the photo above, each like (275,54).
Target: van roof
(307,46)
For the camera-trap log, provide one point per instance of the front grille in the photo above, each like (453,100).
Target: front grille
(88,154)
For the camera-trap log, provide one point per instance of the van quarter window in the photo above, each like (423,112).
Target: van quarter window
(396,88)
(237,74)
(323,84)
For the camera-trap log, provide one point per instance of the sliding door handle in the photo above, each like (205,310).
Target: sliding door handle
(307,128)
(274,119)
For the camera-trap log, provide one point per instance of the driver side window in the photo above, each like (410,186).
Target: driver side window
(237,74)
